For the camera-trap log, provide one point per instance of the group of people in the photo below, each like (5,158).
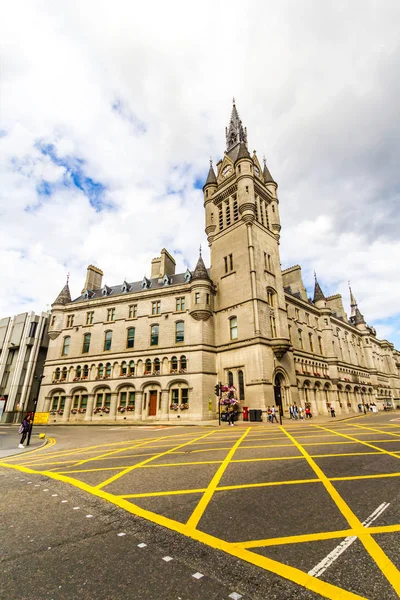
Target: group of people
(271,412)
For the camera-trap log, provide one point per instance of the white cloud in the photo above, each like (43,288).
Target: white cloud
(316,85)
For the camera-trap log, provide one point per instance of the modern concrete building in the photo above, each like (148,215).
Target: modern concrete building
(154,349)
(23,348)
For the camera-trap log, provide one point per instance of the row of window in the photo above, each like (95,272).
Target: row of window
(130,338)
(231,210)
(132,312)
(126,368)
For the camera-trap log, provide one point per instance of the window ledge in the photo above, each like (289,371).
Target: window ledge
(227,274)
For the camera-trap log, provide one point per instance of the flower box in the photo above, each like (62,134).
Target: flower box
(74,411)
(182,370)
(184,406)
(173,371)
(121,409)
(130,408)
(174,406)
(82,411)
(105,409)
(60,411)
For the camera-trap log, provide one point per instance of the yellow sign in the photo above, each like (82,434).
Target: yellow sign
(41,418)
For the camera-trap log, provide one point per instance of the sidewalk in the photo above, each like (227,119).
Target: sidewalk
(13,450)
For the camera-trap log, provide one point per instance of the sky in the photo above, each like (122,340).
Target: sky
(109,112)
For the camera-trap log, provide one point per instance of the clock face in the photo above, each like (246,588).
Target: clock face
(257,171)
(226,171)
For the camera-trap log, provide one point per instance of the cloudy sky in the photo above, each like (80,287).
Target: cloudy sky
(109,112)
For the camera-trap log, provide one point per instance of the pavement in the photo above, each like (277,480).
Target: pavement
(307,510)
(9,440)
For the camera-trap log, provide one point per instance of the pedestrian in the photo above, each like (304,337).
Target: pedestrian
(295,413)
(231,416)
(24,429)
(273,415)
(301,413)
(308,413)
(291,412)
(333,414)
(269,413)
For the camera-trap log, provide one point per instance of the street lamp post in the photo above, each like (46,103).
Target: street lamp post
(39,380)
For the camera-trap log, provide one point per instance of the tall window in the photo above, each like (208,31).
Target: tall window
(107,340)
(307,318)
(270,297)
(154,335)
(78,371)
(86,343)
(70,320)
(300,337)
(108,370)
(110,314)
(233,328)
(174,363)
(241,385)
(230,378)
(220,218)
(197,298)
(89,317)
(147,367)
(228,213)
(226,263)
(235,210)
(85,374)
(179,332)
(231,262)
(132,367)
(297,314)
(180,304)
(132,311)
(66,343)
(124,368)
(156,307)
(175,396)
(311,342)
(157,366)
(273,326)
(100,370)
(262,211)
(130,339)
(183,363)
(267,262)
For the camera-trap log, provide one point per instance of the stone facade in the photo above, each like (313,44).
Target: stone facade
(154,350)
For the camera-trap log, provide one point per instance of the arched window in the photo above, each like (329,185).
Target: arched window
(320,344)
(174,363)
(100,370)
(86,343)
(57,373)
(108,370)
(78,371)
(233,328)
(300,337)
(273,326)
(179,332)
(147,368)
(154,335)
(241,385)
(183,363)
(132,367)
(124,368)
(107,340)
(271,297)
(311,342)
(130,339)
(66,343)
(157,366)
(230,378)
(85,374)
(64,373)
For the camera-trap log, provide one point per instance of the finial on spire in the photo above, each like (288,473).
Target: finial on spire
(315,276)
(67,278)
(211,161)
(264,161)
(235,133)
(233,100)
(200,250)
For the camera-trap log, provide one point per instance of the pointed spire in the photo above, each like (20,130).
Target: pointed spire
(65,295)
(266,174)
(235,133)
(318,293)
(243,152)
(200,271)
(353,302)
(356,317)
(211,177)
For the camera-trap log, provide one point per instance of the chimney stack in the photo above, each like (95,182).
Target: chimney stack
(94,278)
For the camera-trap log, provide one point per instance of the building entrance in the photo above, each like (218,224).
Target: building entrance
(152,403)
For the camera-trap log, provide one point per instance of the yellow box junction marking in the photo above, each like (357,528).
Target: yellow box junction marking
(390,571)
(380,450)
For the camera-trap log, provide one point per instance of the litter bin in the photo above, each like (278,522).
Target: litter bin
(258,415)
(245,413)
(252,413)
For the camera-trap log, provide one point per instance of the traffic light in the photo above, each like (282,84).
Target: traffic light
(217,390)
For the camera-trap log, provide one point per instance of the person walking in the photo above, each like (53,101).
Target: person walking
(273,414)
(231,416)
(333,414)
(269,413)
(291,412)
(295,413)
(24,429)
(301,413)
(308,413)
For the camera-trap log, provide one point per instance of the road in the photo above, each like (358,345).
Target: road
(257,512)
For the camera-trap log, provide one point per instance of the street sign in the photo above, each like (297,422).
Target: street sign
(41,418)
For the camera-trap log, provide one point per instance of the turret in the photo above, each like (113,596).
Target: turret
(319,297)
(201,290)
(245,183)
(209,189)
(57,311)
(356,317)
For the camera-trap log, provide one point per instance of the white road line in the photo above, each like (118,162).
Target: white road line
(235,596)
(198,575)
(121,534)
(332,556)
(167,558)
(142,545)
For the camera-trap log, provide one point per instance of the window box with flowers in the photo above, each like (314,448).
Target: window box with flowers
(106,377)
(130,408)
(147,373)
(173,370)
(99,377)
(105,409)
(306,373)
(84,377)
(74,411)
(97,410)
(316,374)
(55,381)
(155,372)
(184,406)
(60,411)
(76,379)
(81,411)
(53,412)
(174,406)
(121,409)
(63,379)
(182,370)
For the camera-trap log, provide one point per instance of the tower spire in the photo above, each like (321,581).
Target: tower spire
(235,133)
(353,302)
(64,297)
(318,293)
(356,317)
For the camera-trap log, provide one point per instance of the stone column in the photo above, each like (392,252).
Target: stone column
(89,408)
(47,404)
(138,405)
(113,406)
(67,409)
(314,402)
(164,405)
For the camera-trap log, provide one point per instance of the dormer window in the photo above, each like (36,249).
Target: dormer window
(146,283)
(187,276)
(126,287)
(106,291)
(88,294)
(166,280)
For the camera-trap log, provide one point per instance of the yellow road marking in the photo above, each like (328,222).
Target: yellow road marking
(297,576)
(129,469)
(379,431)
(112,452)
(381,450)
(390,571)
(204,501)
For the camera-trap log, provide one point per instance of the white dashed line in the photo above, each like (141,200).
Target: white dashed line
(235,596)
(37,484)
(167,558)
(46,490)
(28,482)
(76,508)
(53,495)
(89,516)
(121,534)
(64,501)
(198,575)
(142,545)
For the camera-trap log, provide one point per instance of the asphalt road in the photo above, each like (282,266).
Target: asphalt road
(250,510)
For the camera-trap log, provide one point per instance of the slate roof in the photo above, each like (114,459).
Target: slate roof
(64,296)
(318,293)
(211,177)
(136,286)
(200,271)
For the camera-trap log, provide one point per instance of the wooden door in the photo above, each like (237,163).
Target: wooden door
(153,404)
